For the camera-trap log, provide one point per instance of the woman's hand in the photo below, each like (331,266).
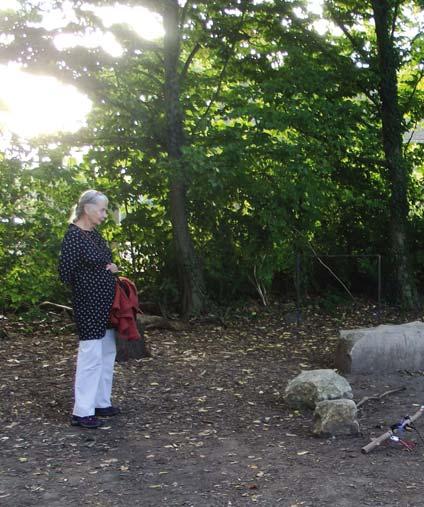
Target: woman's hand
(113,268)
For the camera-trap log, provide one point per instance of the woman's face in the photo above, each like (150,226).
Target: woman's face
(96,212)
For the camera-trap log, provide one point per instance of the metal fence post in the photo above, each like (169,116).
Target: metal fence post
(297,289)
(379,286)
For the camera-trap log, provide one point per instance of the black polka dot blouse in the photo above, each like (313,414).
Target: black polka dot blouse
(82,265)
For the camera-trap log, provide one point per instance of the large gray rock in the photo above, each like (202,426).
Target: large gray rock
(381,349)
(336,417)
(313,386)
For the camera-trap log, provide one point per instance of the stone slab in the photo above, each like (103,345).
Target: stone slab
(383,349)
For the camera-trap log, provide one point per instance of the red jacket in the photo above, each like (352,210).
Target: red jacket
(123,314)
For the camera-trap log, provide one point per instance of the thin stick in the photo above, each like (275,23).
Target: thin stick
(330,271)
(325,265)
(379,396)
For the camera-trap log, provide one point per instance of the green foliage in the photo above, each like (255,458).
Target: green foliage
(34,209)
(282,152)
(332,302)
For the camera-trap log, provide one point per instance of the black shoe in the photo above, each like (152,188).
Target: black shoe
(90,422)
(108,411)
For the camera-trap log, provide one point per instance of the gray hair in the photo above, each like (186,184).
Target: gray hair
(87,197)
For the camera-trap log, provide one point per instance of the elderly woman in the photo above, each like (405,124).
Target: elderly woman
(86,265)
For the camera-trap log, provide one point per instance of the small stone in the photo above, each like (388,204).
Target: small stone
(313,386)
(336,417)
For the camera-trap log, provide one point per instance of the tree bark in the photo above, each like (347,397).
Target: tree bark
(189,269)
(404,286)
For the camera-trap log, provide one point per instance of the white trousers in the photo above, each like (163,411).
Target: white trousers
(94,375)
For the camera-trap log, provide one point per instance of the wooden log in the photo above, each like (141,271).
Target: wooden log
(134,349)
(156,322)
(56,305)
(137,349)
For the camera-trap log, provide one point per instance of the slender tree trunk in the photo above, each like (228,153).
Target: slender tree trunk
(190,272)
(392,141)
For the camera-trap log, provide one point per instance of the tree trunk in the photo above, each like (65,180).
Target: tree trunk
(405,291)
(134,349)
(189,270)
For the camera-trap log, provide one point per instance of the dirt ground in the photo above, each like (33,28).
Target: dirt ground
(204,421)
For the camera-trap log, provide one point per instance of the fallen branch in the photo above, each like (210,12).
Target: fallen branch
(259,286)
(156,322)
(396,428)
(380,396)
(56,305)
(147,321)
(326,266)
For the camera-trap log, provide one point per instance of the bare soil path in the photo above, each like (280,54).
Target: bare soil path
(204,421)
